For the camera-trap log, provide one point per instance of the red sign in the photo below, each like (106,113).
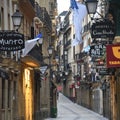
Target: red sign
(113,55)
(59,88)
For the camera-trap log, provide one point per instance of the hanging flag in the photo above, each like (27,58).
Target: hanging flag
(39,36)
(79,12)
(29,44)
(73,4)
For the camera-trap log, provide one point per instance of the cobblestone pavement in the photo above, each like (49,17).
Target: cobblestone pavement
(68,110)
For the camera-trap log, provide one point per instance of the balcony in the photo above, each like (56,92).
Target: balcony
(53,9)
(27,7)
(80,57)
(43,15)
(68,43)
(32,3)
(86,28)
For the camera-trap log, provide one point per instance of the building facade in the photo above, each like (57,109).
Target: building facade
(23,93)
(93,85)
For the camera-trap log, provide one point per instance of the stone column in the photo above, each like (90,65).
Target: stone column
(6,99)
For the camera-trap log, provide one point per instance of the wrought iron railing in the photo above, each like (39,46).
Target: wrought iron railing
(43,15)
(32,3)
(68,43)
(86,27)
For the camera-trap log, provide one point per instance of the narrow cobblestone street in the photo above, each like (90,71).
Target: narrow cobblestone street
(68,110)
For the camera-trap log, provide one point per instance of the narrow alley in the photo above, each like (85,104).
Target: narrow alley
(68,110)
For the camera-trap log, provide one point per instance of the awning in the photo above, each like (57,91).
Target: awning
(30,61)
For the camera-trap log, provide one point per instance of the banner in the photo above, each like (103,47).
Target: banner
(79,12)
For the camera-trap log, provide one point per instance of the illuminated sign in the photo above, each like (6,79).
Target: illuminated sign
(113,55)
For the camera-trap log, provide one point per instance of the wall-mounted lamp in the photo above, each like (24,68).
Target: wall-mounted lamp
(91,6)
(57,58)
(61,74)
(66,52)
(17,18)
(41,41)
(66,72)
(50,50)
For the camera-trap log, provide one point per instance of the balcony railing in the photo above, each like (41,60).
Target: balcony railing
(32,3)
(43,15)
(86,27)
(68,43)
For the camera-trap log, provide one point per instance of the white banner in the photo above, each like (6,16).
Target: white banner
(78,16)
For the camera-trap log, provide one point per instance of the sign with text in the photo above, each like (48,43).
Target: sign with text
(103,71)
(103,29)
(11,41)
(113,55)
(97,50)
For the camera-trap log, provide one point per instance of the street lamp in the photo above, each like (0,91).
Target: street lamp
(40,41)
(50,50)
(91,6)
(17,18)
(57,58)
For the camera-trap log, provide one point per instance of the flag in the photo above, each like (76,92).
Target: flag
(73,4)
(39,36)
(79,13)
(29,44)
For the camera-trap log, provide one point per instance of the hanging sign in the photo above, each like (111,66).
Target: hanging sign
(113,55)
(103,29)
(103,71)
(11,41)
(97,50)
(43,69)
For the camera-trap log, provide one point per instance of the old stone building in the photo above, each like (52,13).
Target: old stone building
(23,93)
